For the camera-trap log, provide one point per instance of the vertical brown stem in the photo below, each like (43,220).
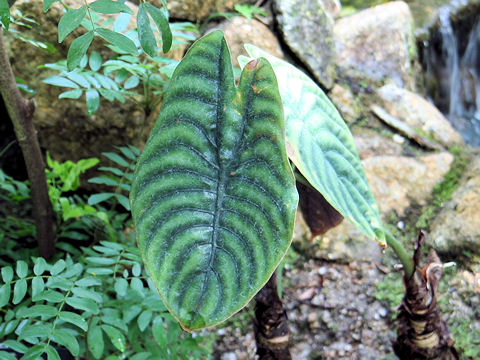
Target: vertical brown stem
(21,111)
(272,334)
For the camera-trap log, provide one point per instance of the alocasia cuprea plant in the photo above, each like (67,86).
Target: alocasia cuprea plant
(214,196)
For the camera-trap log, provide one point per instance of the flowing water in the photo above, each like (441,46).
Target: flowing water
(452,62)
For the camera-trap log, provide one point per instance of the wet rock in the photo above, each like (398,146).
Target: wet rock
(308,31)
(194,10)
(419,114)
(377,44)
(456,228)
(240,30)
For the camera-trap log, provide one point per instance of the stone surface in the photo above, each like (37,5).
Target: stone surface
(308,31)
(397,182)
(194,10)
(63,125)
(370,143)
(419,114)
(345,102)
(457,227)
(240,30)
(377,44)
(332,7)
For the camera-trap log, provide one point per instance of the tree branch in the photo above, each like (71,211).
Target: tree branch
(20,111)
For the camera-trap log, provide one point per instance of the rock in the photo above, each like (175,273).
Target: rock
(344,100)
(332,7)
(240,30)
(419,114)
(194,10)
(63,125)
(396,182)
(308,31)
(456,228)
(370,143)
(377,44)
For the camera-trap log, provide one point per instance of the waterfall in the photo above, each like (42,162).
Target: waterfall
(452,62)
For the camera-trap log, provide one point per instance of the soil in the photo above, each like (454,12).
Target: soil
(338,311)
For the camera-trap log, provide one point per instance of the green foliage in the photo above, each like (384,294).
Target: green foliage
(249,11)
(390,290)
(214,177)
(101,304)
(88,17)
(4,14)
(321,146)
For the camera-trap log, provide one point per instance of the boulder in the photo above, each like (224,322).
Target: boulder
(376,45)
(240,30)
(370,143)
(332,7)
(397,182)
(64,126)
(456,229)
(346,103)
(194,10)
(419,114)
(308,31)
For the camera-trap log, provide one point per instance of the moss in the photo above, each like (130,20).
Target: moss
(444,191)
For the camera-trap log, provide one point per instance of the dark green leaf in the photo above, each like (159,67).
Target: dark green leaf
(136,270)
(74,319)
(119,40)
(40,266)
(144,319)
(47,4)
(100,260)
(60,81)
(19,291)
(322,147)
(98,198)
(95,61)
(59,283)
(95,341)
(3,354)
(93,100)
(115,336)
(160,17)
(35,331)
(214,197)
(80,79)
(131,312)
(141,356)
(52,354)
(22,269)
(58,267)
(136,284)
(110,7)
(78,49)
(100,271)
(83,304)
(7,274)
(82,292)
(50,296)
(132,82)
(88,281)
(70,21)
(4,13)
(158,331)
(5,292)
(34,352)
(121,286)
(145,33)
(123,200)
(15,345)
(45,311)
(66,339)
(38,285)
(116,158)
(71,94)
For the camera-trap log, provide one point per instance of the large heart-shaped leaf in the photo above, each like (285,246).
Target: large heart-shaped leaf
(321,146)
(213,197)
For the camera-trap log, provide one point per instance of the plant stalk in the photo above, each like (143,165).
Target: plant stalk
(405,259)
(272,334)
(20,111)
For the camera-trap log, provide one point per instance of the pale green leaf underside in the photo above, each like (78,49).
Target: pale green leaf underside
(321,146)
(213,196)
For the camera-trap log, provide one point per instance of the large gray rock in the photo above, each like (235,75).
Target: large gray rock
(397,182)
(457,227)
(63,125)
(308,31)
(377,44)
(240,30)
(419,114)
